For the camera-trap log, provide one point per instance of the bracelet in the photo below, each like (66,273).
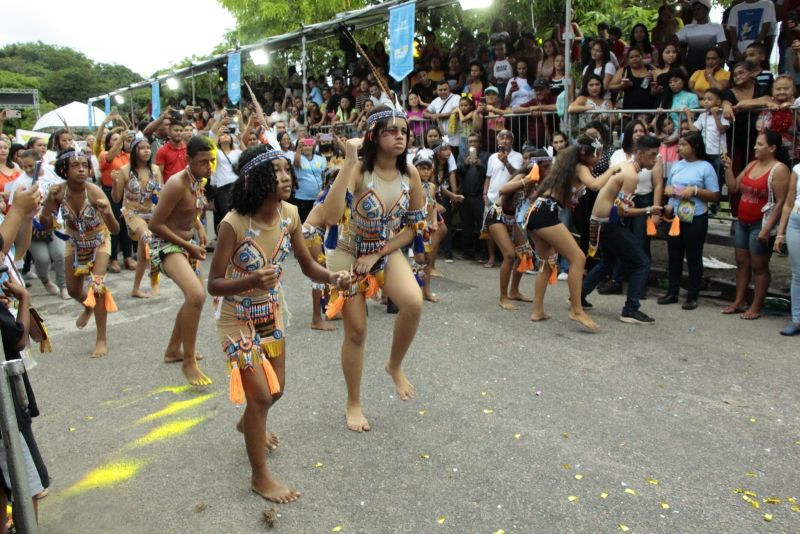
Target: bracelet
(695,190)
(780,236)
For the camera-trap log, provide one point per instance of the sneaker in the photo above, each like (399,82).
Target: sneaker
(636,317)
(449,260)
(563,276)
(667,299)
(611,288)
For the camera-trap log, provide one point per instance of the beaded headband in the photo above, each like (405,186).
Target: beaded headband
(375,117)
(264,157)
(71,153)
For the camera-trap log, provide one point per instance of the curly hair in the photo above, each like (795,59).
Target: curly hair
(371,144)
(251,189)
(62,163)
(559,181)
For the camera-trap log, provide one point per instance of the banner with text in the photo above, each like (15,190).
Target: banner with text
(235,77)
(401,40)
(155,97)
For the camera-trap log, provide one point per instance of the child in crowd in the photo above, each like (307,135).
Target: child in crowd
(89,223)
(426,163)
(466,121)
(779,117)
(756,53)
(254,239)
(665,132)
(712,127)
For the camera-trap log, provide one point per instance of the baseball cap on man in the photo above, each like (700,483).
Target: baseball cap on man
(706,3)
(491,89)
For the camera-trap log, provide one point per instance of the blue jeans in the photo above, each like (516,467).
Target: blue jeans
(637,225)
(793,244)
(565,216)
(617,243)
(745,237)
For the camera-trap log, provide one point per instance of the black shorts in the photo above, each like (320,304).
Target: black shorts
(495,215)
(544,213)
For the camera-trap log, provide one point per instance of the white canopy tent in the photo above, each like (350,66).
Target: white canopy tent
(75,114)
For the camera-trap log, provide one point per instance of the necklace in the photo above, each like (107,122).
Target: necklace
(197,188)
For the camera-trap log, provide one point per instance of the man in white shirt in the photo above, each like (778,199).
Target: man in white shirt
(696,38)
(440,110)
(750,21)
(501,166)
(378,97)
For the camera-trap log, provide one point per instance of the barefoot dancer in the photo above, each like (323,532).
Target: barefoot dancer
(253,241)
(137,185)
(173,253)
(89,224)
(561,189)
(614,203)
(386,214)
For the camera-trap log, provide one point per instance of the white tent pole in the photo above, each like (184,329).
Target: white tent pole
(567,63)
(305,84)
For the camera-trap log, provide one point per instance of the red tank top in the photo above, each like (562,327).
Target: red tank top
(755,194)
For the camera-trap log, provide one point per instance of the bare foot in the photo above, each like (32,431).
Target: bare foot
(155,290)
(139,294)
(323,325)
(430,297)
(585,320)
(539,316)
(274,491)
(436,274)
(100,349)
(83,318)
(404,388)
(355,418)
(508,305)
(272,440)
(194,375)
(173,356)
(520,297)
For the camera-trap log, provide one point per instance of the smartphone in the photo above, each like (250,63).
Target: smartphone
(308,141)
(176,115)
(326,138)
(472,152)
(13,114)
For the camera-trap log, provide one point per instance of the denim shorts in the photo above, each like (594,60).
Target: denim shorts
(745,237)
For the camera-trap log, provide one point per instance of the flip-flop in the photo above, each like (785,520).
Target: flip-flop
(730,310)
(750,318)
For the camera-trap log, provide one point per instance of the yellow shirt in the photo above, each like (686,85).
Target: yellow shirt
(701,84)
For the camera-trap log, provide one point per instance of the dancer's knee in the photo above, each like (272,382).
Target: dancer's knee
(196,297)
(356,334)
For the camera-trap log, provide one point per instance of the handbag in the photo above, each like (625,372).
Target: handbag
(770,205)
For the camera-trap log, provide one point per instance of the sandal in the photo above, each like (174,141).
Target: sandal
(750,316)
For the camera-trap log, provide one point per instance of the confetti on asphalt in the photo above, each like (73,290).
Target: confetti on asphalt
(488,410)
(652,481)
(483,393)
(501,531)
(337,528)
(791,500)
(795,508)
(751,474)
(604,495)
(578,476)
(517,435)
(572,498)
(423,412)
(752,419)
(630,491)
(767,517)
(565,435)
(319,464)
(425,456)
(753,502)
(773,500)
(566,466)
(623,528)
(441,519)
(88,418)
(665,506)
(72,429)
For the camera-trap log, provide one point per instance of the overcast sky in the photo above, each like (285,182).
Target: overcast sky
(143,35)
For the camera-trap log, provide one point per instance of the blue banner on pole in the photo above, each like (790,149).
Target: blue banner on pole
(90,109)
(155,97)
(235,77)
(108,105)
(401,40)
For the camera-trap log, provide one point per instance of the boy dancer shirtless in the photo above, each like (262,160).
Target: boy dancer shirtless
(615,201)
(173,253)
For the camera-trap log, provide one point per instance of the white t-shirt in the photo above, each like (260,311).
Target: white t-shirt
(45,181)
(645,185)
(796,171)
(610,69)
(746,20)
(448,105)
(715,142)
(225,174)
(499,175)
(699,38)
(502,70)
(521,96)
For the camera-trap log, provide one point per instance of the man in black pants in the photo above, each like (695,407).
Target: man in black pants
(471,169)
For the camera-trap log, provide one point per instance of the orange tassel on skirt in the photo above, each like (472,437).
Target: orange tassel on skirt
(651,227)
(272,379)
(90,301)
(236,390)
(675,227)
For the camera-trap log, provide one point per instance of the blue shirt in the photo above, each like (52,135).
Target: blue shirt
(309,177)
(698,174)
(316,96)
(680,100)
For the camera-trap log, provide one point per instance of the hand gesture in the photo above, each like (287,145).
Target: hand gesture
(763,235)
(14,289)
(502,156)
(28,199)
(341,279)
(687,193)
(353,146)
(101,204)
(669,190)
(196,252)
(780,241)
(364,264)
(264,278)
(626,83)
(727,163)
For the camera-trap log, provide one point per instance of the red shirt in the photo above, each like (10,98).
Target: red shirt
(537,129)
(755,194)
(172,159)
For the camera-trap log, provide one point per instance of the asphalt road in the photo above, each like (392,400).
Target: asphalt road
(516,427)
